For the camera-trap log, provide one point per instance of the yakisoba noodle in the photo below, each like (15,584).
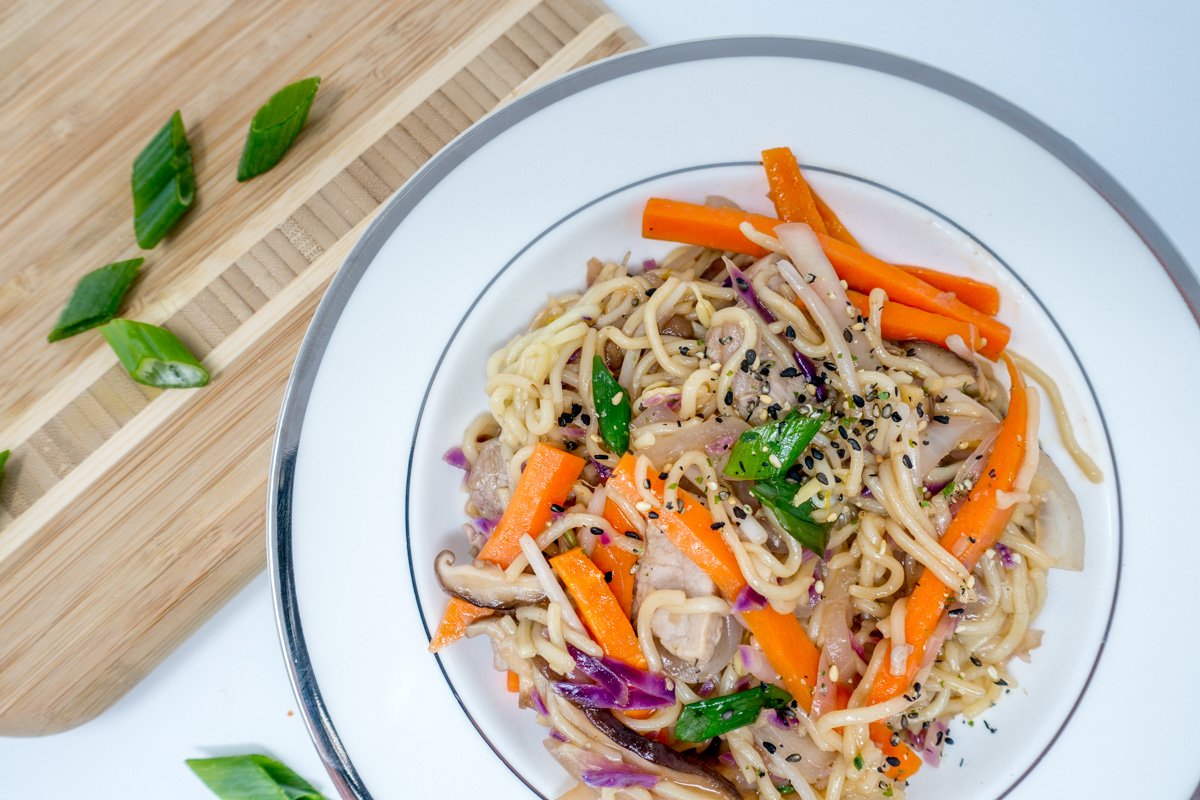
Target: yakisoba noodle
(704,344)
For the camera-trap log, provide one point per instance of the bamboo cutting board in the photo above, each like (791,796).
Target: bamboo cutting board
(128,515)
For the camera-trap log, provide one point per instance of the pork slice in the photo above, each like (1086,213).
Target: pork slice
(488,474)
(690,637)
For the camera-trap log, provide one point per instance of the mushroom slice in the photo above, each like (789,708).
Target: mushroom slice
(485,587)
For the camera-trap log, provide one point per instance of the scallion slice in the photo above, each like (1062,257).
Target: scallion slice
(96,298)
(252,777)
(154,356)
(164,184)
(275,126)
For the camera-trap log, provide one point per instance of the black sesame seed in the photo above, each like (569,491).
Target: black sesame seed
(854,445)
(818,455)
(975,660)
(893,761)
(571,446)
(716,526)
(823,479)
(585,419)
(789,332)
(793,758)
(633,535)
(601,456)
(556,508)
(738,512)
(653,515)
(769,747)
(858,400)
(608,576)
(790,372)
(871,434)
(650,292)
(662,476)
(907,461)
(729,398)
(896,416)
(847,335)
(597,531)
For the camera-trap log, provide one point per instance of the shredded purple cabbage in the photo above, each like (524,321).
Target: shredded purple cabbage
(930,742)
(575,356)
(455,457)
(486,525)
(809,370)
(618,777)
(602,471)
(539,705)
(749,600)
(1007,558)
(555,733)
(745,290)
(721,445)
(616,685)
(649,264)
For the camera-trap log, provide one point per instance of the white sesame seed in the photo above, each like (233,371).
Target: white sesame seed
(775,462)
(833,673)
(991,671)
(643,506)
(970,580)
(617,398)
(819,586)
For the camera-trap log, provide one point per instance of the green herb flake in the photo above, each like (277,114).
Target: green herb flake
(769,450)
(777,497)
(787,788)
(613,409)
(96,299)
(164,185)
(252,777)
(275,126)
(948,489)
(154,356)
(858,761)
(714,716)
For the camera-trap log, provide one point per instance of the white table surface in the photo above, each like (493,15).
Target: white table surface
(1121,81)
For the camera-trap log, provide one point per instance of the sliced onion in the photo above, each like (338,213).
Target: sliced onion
(835,625)
(940,439)
(1059,525)
(723,652)
(701,436)
(755,662)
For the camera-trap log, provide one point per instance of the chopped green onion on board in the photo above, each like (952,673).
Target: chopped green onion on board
(275,126)
(96,298)
(154,356)
(252,777)
(164,185)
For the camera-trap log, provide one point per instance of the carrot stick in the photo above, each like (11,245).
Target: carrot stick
(834,225)
(718,228)
(620,564)
(982,297)
(598,607)
(514,682)
(794,200)
(973,531)
(547,480)
(459,614)
(899,322)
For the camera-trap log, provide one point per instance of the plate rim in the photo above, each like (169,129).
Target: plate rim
(284,454)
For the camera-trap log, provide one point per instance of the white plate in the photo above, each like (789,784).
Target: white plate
(925,168)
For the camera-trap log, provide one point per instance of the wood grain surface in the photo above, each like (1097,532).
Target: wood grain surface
(129,514)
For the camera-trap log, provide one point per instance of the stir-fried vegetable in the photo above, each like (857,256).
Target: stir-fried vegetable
(714,716)
(96,298)
(768,450)
(615,684)
(719,228)
(618,565)
(973,531)
(547,480)
(598,607)
(978,295)
(777,496)
(613,408)
(458,615)
(789,191)
(781,636)
(899,322)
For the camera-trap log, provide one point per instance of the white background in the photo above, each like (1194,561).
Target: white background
(1121,80)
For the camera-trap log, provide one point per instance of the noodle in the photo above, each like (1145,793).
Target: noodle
(700,365)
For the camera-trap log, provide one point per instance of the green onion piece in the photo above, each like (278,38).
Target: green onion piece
(948,489)
(787,788)
(768,450)
(96,298)
(275,126)
(164,184)
(714,716)
(4,454)
(777,497)
(613,409)
(154,356)
(252,777)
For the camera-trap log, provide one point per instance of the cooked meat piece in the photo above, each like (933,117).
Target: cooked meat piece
(488,473)
(691,637)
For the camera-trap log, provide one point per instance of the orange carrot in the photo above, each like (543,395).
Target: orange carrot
(459,614)
(514,682)
(982,297)
(620,564)
(864,272)
(973,531)
(598,607)
(781,636)
(834,225)
(899,322)
(794,200)
(718,228)
(547,480)
(910,762)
